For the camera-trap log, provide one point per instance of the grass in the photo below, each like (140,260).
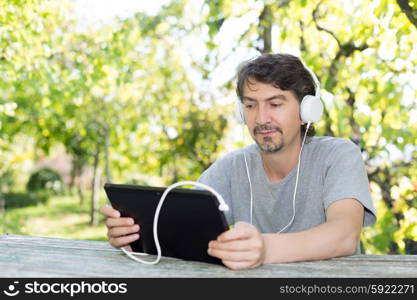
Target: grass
(61,216)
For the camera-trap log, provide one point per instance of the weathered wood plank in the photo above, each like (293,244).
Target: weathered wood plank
(27,256)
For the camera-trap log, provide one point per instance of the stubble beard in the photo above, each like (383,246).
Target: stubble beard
(269,146)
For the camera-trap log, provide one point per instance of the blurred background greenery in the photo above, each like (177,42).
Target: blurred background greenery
(146,97)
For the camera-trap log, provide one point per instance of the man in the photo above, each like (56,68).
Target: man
(282,211)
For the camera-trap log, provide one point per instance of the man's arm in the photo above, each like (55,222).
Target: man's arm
(243,247)
(338,236)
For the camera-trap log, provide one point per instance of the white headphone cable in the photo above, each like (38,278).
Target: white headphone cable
(222,206)
(248,174)
(250,188)
(296,179)
(296,182)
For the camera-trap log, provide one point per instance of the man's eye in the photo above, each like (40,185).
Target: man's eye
(276,104)
(249,106)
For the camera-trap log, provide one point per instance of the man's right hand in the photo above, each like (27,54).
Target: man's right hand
(120,231)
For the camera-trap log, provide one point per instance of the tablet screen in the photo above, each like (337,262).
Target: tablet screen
(188,219)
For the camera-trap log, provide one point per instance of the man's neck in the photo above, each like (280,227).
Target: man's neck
(278,165)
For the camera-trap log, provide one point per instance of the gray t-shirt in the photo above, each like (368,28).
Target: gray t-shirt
(331,169)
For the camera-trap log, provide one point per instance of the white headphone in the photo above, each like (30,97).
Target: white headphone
(311,107)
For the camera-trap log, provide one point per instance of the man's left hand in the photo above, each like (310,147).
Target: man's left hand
(241,247)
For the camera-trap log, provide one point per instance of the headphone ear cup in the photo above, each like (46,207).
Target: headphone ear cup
(311,109)
(240,118)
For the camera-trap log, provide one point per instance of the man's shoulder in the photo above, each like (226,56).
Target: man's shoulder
(330,143)
(229,161)
(332,149)
(237,154)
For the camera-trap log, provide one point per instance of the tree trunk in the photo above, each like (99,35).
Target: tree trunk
(80,189)
(80,193)
(265,29)
(95,188)
(2,204)
(107,152)
(72,180)
(76,172)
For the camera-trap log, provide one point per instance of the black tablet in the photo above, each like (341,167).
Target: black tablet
(188,219)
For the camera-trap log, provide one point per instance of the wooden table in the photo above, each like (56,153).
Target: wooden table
(28,256)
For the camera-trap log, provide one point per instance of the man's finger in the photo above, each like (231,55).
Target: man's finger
(241,230)
(109,211)
(124,240)
(121,231)
(238,265)
(230,255)
(117,222)
(235,245)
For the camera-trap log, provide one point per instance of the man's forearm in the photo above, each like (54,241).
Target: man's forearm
(331,239)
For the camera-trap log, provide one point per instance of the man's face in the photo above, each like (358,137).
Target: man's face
(272,116)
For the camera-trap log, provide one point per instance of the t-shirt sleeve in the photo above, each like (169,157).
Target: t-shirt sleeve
(346,177)
(217,176)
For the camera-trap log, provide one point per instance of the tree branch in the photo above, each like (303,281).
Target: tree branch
(321,28)
(356,135)
(409,12)
(345,49)
(303,46)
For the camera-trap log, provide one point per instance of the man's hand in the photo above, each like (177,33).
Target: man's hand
(241,247)
(120,231)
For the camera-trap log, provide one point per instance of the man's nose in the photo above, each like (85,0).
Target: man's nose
(263,115)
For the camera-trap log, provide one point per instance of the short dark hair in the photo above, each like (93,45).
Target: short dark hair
(283,71)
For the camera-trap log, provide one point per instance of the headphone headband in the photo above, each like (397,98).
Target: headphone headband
(311,107)
(315,79)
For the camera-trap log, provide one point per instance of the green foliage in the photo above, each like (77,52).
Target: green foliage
(61,216)
(377,239)
(30,198)
(45,179)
